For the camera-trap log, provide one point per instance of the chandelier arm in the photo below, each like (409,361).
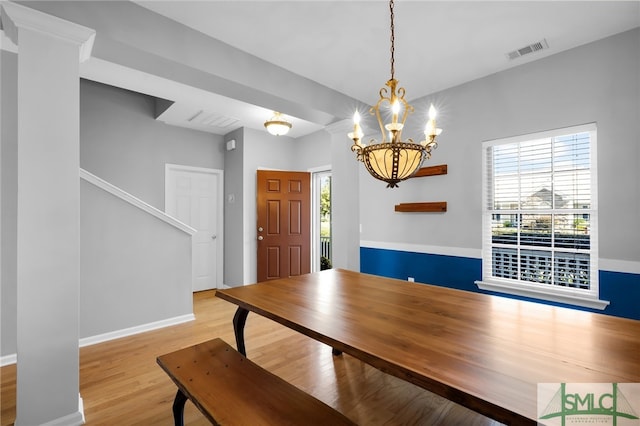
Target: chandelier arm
(406,110)
(376,110)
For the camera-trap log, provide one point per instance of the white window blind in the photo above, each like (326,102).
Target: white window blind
(540,215)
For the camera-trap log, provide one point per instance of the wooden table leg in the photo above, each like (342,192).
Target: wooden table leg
(239,320)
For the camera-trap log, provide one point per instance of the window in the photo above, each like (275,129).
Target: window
(540,216)
(321,218)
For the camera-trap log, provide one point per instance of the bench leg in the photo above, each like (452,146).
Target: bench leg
(239,320)
(178,408)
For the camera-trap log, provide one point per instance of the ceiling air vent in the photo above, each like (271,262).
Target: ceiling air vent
(534,47)
(212,119)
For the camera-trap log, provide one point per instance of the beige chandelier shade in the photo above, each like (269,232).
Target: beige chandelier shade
(392,162)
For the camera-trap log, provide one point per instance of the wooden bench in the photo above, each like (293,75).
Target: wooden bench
(231,390)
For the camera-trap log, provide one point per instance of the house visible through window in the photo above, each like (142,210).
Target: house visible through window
(540,216)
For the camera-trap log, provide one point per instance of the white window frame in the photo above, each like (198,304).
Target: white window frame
(574,296)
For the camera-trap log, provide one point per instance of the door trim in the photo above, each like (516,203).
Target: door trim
(315,214)
(169,195)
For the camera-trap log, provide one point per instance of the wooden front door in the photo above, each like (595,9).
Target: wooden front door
(284,224)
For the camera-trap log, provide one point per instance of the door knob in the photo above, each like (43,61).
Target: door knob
(260,238)
(213,237)
(260,229)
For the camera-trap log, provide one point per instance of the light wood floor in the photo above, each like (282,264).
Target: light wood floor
(121,384)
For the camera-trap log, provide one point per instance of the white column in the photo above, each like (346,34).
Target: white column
(48,271)
(345,198)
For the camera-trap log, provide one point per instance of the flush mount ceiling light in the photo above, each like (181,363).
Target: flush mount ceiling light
(277,125)
(393,160)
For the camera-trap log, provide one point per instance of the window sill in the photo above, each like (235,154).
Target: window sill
(559,297)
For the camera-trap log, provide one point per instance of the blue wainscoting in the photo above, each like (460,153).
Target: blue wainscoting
(619,288)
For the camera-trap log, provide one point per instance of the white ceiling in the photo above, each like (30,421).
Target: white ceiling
(344,45)
(439,44)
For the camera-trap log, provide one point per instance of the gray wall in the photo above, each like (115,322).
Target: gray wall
(598,82)
(122,143)
(135,269)
(261,150)
(314,150)
(174,52)
(233,211)
(255,150)
(9,201)
(345,200)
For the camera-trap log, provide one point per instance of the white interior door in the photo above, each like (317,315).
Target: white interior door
(193,196)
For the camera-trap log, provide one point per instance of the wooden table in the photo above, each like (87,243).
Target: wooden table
(487,353)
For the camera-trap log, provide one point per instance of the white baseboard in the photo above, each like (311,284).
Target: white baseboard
(105,337)
(100,338)
(8,360)
(73,419)
(81,408)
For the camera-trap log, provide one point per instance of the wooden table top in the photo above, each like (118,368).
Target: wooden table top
(485,352)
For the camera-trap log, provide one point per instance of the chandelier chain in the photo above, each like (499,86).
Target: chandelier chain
(393,71)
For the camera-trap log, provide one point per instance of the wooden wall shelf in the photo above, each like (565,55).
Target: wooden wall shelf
(431,171)
(437,207)
(434,207)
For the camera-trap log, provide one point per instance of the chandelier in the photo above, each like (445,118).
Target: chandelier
(277,125)
(393,160)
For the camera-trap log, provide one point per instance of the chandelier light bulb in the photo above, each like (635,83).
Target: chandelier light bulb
(431,130)
(432,112)
(395,108)
(357,134)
